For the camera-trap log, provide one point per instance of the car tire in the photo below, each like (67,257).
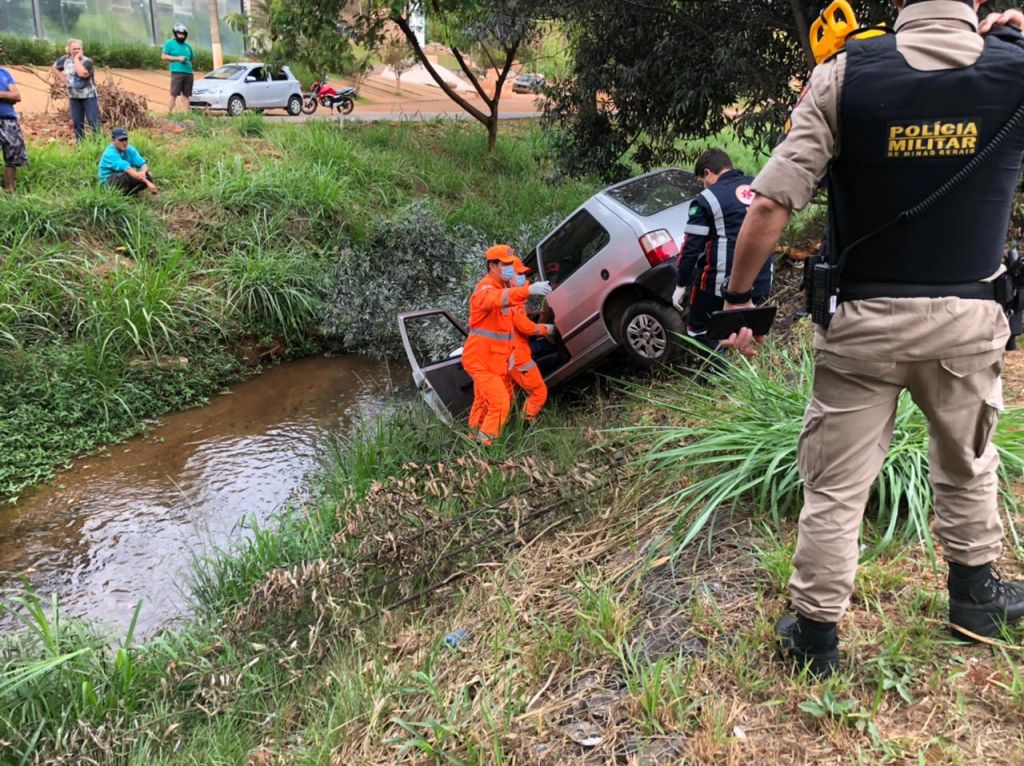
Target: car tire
(649,332)
(236,105)
(294,105)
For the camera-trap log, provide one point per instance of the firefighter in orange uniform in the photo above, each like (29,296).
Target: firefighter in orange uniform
(487,355)
(524,372)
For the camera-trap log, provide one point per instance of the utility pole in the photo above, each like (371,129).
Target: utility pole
(215,46)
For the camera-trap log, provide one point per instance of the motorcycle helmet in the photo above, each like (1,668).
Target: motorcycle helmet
(181,29)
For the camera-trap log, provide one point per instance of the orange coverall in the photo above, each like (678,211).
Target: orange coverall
(524,372)
(487,355)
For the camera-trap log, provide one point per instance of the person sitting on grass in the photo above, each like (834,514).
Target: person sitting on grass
(123,168)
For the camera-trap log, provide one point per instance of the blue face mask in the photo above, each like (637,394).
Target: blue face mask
(508,273)
(520,280)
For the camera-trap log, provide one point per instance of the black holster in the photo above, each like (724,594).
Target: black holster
(1010,293)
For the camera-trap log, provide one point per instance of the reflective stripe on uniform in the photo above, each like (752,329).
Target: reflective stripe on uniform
(721,262)
(505,336)
(697,231)
(527,367)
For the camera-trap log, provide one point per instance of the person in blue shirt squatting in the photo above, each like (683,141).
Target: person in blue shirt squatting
(123,168)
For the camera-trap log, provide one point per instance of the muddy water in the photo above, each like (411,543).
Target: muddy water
(124,525)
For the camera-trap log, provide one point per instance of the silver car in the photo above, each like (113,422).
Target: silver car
(237,87)
(612,264)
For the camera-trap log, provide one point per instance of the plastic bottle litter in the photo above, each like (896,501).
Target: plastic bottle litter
(456,637)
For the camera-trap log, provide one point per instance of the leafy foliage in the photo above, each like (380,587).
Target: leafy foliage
(646,75)
(119,55)
(411,262)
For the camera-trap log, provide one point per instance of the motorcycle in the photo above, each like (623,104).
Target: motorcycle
(324,95)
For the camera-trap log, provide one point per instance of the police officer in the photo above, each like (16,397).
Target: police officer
(715,217)
(895,117)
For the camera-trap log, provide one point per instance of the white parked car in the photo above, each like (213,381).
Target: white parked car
(237,87)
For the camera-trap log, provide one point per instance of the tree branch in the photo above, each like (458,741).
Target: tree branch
(472,77)
(403,25)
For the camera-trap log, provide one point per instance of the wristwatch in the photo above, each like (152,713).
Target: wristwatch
(737,297)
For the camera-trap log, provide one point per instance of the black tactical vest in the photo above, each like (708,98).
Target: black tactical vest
(903,134)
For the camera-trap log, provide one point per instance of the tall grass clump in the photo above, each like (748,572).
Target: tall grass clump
(61,681)
(250,124)
(731,441)
(269,291)
(148,307)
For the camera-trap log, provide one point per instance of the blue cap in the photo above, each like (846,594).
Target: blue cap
(117,133)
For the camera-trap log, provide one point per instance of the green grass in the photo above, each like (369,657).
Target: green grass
(253,222)
(734,439)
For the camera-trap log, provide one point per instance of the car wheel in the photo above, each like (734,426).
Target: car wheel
(309,104)
(294,105)
(649,331)
(236,105)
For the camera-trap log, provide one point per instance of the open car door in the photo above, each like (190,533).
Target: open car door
(433,341)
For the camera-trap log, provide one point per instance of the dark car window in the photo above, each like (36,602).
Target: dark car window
(280,74)
(656,192)
(574,243)
(259,74)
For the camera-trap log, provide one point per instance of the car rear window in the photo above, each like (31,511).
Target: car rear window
(653,193)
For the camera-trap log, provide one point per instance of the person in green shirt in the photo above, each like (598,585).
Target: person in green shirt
(181,56)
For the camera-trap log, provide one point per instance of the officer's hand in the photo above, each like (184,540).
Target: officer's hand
(743,341)
(1010,18)
(540,288)
(679,298)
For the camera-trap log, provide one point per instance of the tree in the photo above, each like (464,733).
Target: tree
(395,54)
(647,73)
(495,28)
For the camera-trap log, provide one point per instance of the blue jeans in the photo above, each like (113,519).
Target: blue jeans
(83,109)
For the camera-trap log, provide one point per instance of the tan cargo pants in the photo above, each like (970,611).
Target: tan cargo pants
(847,429)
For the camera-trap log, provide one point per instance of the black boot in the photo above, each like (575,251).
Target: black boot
(810,644)
(980,602)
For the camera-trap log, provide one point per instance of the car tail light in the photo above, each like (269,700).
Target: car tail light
(658,246)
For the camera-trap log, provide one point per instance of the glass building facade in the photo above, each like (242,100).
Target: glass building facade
(109,21)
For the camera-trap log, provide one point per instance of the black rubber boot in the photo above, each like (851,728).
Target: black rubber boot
(980,602)
(810,644)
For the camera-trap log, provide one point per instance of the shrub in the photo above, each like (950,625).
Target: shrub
(411,262)
(117,55)
(23,50)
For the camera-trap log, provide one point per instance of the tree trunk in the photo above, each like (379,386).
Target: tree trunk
(215,46)
(803,31)
(492,129)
